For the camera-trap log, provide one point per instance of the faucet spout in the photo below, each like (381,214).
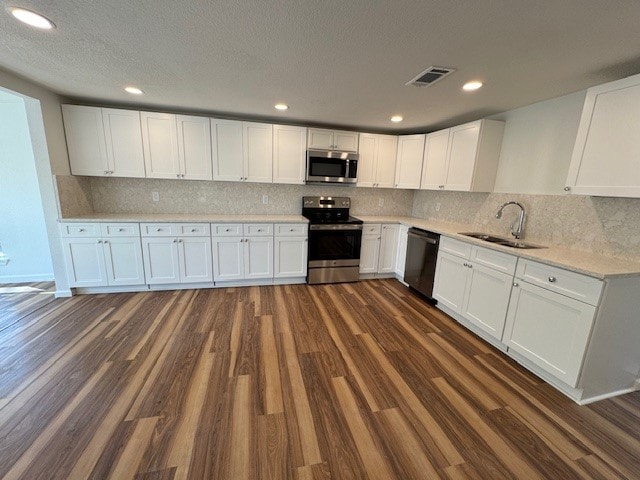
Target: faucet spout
(517,229)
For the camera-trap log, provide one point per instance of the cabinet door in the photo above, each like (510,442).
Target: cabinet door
(386,160)
(463,148)
(160,142)
(549,329)
(289,154)
(434,171)
(402,250)
(290,257)
(607,148)
(369,253)
(258,257)
(451,280)
(258,152)
(228,159)
(367,160)
(86,144)
(228,258)
(320,139)
(123,259)
(123,136)
(85,262)
(345,141)
(194,147)
(388,249)
(487,299)
(194,254)
(161,262)
(409,164)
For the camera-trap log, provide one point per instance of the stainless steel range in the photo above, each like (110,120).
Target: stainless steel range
(335,239)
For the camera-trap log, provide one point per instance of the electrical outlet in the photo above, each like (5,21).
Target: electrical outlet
(381,202)
(265,199)
(437,207)
(4,259)
(155,196)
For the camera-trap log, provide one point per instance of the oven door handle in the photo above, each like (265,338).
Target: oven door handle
(335,227)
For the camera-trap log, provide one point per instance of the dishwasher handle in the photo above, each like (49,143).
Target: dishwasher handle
(424,238)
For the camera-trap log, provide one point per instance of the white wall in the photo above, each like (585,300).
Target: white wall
(23,233)
(537,145)
(44,117)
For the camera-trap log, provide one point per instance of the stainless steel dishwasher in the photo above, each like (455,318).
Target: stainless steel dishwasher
(420,266)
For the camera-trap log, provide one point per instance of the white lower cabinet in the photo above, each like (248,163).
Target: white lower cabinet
(369,253)
(379,248)
(98,257)
(388,248)
(177,253)
(290,251)
(475,283)
(242,251)
(401,258)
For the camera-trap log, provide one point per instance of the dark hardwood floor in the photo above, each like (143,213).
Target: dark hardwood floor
(349,381)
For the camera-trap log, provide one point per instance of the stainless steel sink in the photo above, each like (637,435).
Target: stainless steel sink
(501,241)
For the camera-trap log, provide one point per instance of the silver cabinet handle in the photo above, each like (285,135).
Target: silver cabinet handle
(194,229)
(175,240)
(158,229)
(228,230)
(106,241)
(99,241)
(567,189)
(516,284)
(291,230)
(180,241)
(465,264)
(259,229)
(469,265)
(81,229)
(552,279)
(178,175)
(121,229)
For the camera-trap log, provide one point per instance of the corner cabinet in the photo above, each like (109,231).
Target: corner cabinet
(463,158)
(377,162)
(605,156)
(103,141)
(409,161)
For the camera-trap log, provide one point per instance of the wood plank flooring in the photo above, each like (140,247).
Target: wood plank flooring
(349,381)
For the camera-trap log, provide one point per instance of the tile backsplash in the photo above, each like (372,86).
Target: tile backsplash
(608,226)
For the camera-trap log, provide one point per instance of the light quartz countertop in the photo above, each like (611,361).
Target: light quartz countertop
(594,265)
(184,218)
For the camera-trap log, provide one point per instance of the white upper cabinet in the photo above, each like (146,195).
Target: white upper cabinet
(160,142)
(103,141)
(409,161)
(332,140)
(194,147)
(464,157)
(258,152)
(289,151)
(607,149)
(176,146)
(228,157)
(124,142)
(377,162)
(242,151)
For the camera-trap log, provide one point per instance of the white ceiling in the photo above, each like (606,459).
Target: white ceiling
(335,62)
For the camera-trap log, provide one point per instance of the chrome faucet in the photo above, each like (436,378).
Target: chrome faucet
(517,228)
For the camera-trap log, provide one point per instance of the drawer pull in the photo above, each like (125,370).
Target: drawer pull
(465,264)
(81,229)
(552,279)
(259,229)
(121,229)
(158,229)
(194,229)
(516,284)
(291,229)
(228,230)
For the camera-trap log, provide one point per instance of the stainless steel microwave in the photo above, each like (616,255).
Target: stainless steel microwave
(324,166)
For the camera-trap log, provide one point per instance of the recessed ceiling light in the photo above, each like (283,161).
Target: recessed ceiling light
(133,90)
(396,118)
(471,86)
(281,106)
(31,18)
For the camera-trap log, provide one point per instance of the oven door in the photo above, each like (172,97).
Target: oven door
(334,245)
(331,167)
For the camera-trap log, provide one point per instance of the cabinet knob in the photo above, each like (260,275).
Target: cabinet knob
(465,264)
(180,241)
(175,240)
(158,229)
(121,229)
(567,189)
(81,229)
(178,175)
(106,241)
(291,229)
(99,241)
(552,279)
(516,284)
(259,229)
(194,230)
(227,230)
(469,265)
(106,172)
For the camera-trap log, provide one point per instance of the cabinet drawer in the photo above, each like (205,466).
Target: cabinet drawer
(226,229)
(455,247)
(291,229)
(258,229)
(371,229)
(120,229)
(574,285)
(159,229)
(80,229)
(194,229)
(503,262)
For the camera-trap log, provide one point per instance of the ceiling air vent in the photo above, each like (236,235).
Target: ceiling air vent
(430,76)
